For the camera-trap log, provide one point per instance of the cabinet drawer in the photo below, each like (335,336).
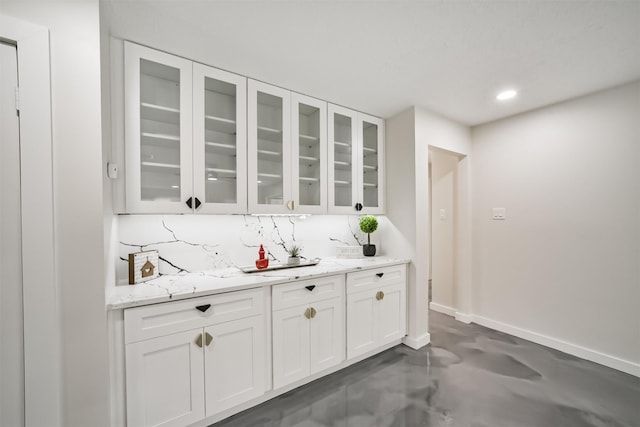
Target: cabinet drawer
(152,321)
(307,291)
(375,278)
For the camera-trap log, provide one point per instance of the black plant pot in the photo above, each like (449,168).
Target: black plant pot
(369,250)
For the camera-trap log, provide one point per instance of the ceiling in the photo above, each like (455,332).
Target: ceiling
(381,57)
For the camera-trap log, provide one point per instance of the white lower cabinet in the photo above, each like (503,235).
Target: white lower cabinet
(199,358)
(308,335)
(376,309)
(165,381)
(182,377)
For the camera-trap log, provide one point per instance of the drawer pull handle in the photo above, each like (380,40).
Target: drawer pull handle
(313,312)
(199,341)
(380,296)
(207,338)
(310,287)
(203,307)
(307,313)
(379,274)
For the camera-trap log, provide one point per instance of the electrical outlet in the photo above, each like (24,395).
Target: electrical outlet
(498,214)
(443,214)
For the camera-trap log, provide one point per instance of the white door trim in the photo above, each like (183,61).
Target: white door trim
(42,326)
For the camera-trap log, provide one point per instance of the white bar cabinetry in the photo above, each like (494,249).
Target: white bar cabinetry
(356,162)
(192,359)
(185,135)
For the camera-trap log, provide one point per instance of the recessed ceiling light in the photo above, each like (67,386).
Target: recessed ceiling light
(507,94)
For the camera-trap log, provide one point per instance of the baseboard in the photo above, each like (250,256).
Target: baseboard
(449,311)
(417,343)
(463,317)
(566,347)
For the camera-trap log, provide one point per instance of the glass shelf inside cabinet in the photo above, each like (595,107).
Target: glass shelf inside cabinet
(370,164)
(342,167)
(159,131)
(309,155)
(220,141)
(270,146)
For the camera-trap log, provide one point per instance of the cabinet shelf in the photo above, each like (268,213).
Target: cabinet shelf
(223,171)
(269,175)
(308,179)
(309,138)
(342,165)
(220,124)
(159,113)
(159,165)
(370,150)
(339,182)
(270,153)
(369,185)
(230,147)
(368,167)
(342,144)
(309,159)
(269,134)
(161,136)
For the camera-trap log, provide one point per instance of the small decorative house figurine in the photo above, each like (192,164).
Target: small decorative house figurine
(143,266)
(147,269)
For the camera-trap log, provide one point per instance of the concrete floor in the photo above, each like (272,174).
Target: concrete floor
(469,376)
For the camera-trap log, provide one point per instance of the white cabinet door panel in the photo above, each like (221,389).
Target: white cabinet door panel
(326,335)
(290,346)
(165,381)
(362,328)
(391,317)
(234,363)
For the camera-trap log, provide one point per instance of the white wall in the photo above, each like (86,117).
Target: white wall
(410,134)
(565,264)
(444,179)
(77,189)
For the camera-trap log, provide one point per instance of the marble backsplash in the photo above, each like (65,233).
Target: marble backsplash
(188,243)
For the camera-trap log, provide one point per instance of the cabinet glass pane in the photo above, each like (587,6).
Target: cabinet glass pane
(342,146)
(370,164)
(270,144)
(220,141)
(309,155)
(159,131)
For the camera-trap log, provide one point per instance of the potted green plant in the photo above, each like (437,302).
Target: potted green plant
(368,224)
(294,255)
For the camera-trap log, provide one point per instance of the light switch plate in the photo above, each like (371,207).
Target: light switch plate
(498,214)
(443,214)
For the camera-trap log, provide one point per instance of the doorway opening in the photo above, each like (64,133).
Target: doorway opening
(12,380)
(448,238)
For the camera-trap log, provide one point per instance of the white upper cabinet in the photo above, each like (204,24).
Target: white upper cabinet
(158,131)
(356,162)
(287,140)
(269,141)
(309,154)
(219,140)
(185,127)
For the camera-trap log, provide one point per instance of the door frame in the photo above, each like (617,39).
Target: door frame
(42,326)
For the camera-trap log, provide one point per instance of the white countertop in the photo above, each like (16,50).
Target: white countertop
(189,285)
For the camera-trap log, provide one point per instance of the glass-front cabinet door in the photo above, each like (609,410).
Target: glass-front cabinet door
(219,141)
(343,159)
(158,131)
(309,154)
(356,162)
(269,148)
(372,163)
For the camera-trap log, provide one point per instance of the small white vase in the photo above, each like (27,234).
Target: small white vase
(293,260)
